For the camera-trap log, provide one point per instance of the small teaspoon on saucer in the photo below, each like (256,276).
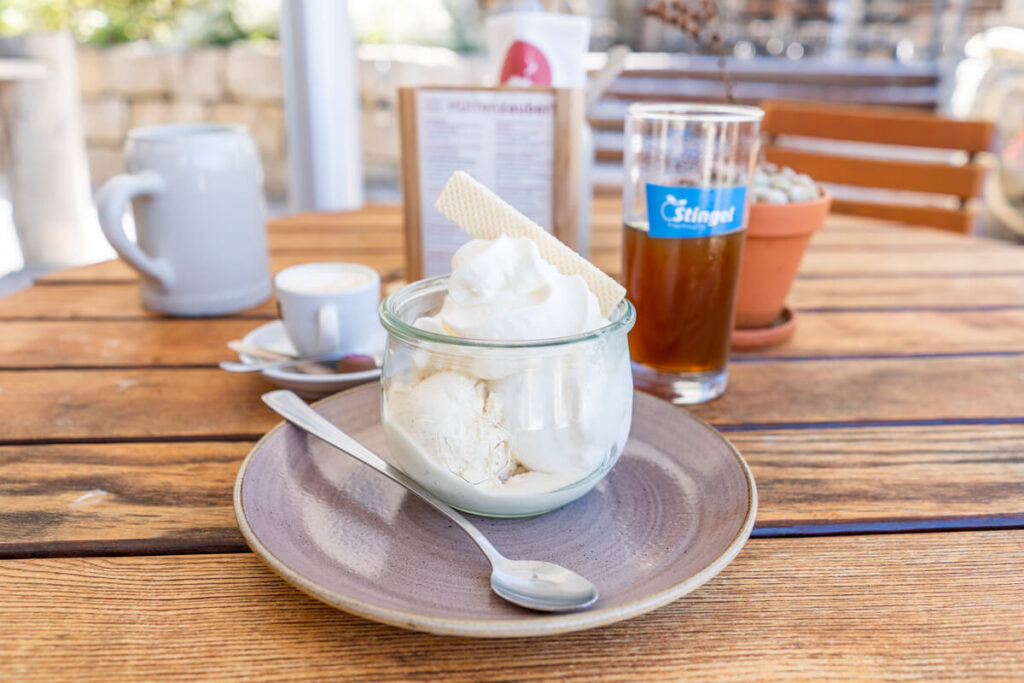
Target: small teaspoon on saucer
(239,346)
(265,354)
(352,363)
(541,586)
(232,366)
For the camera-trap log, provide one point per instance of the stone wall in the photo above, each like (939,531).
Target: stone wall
(138,84)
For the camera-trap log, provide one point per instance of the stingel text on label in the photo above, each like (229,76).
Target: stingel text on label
(694,211)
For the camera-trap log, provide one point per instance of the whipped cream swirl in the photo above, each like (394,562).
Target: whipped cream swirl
(503,290)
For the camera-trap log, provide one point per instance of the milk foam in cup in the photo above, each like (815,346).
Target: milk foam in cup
(507,390)
(330,308)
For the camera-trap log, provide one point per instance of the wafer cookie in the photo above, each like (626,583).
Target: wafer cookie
(485,215)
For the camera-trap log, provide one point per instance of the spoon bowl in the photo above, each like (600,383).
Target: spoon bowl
(536,585)
(542,586)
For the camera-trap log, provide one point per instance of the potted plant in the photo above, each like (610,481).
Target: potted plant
(786,209)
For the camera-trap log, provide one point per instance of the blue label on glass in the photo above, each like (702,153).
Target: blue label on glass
(694,211)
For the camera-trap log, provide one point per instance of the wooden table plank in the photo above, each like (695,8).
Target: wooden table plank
(817,263)
(299,237)
(919,292)
(200,403)
(110,301)
(336,240)
(909,332)
(761,618)
(157,341)
(606,219)
(895,237)
(116,270)
(56,344)
(119,300)
(845,245)
(850,249)
(606,230)
(367,216)
(865,263)
(910,477)
(829,392)
(176,497)
(167,404)
(119,498)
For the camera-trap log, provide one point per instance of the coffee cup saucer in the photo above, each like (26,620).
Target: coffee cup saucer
(273,337)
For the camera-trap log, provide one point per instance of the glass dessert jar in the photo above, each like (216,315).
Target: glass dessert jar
(504,429)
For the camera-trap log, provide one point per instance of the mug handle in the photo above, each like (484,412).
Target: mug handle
(111,203)
(328,334)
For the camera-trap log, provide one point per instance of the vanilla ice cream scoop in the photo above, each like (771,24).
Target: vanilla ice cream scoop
(458,424)
(503,290)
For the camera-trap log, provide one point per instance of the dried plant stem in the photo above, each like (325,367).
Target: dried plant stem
(701,20)
(726,78)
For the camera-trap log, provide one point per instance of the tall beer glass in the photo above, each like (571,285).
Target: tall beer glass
(685,217)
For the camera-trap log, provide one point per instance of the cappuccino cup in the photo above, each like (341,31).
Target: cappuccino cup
(330,309)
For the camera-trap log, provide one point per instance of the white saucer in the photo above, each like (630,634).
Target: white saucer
(272,336)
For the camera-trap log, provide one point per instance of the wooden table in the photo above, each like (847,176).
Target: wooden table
(887,439)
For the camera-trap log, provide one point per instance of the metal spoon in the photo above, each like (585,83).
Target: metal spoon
(233,366)
(238,346)
(541,586)
(305,367)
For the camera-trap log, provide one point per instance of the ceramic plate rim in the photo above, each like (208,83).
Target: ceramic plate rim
(284,375)
(475,628)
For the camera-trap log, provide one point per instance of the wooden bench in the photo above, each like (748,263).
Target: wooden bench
(884,126)
(686,78)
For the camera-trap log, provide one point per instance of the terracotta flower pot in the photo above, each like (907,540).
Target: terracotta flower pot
(777,235)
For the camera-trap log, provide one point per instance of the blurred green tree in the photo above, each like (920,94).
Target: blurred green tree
(451,23)
(104,22)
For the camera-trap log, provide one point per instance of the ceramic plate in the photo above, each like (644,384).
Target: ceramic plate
(673,512)
(272,336)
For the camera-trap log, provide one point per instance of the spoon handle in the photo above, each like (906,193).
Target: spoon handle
(292,408)
(232,366)
(238,346)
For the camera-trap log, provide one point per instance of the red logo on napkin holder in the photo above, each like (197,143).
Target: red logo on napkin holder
(526,62)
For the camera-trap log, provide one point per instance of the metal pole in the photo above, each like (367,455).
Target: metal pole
(321,97)
(937,29)
(957,39)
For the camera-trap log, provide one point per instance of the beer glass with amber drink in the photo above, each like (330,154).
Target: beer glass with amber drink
(685,217)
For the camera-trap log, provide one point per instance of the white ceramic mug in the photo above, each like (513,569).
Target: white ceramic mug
(197,196)
(330,308)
